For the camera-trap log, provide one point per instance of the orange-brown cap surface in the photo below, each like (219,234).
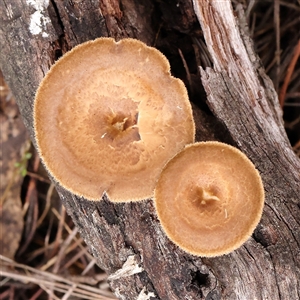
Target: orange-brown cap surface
(108,116)
(209,199)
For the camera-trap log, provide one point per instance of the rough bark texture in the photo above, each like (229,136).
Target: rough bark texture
(127,239)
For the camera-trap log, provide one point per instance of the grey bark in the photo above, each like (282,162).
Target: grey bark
(126,239)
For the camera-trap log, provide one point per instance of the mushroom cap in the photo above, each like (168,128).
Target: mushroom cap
(209,198)
(108,116)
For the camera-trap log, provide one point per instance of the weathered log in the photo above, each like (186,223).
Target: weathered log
(126,239)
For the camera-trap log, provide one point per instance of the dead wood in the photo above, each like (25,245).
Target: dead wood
(127,239)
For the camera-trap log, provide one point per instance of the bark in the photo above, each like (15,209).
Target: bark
(127,239)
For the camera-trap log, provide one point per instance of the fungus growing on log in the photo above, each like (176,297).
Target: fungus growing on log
(108,116)
(209,198)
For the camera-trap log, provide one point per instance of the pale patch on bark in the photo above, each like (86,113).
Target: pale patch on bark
(130,267)
(143,295)
(9,11)
(38,20)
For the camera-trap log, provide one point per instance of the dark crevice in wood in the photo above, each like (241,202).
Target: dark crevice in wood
(199,279)
(266,236)
(55,18)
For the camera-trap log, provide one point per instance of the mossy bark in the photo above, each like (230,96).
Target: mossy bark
(239,106)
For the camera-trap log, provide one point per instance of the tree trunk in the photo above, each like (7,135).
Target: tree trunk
(127,239)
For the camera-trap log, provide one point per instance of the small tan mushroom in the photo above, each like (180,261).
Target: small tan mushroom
(209,199)
(107,118)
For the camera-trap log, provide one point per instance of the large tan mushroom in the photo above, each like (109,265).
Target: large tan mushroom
(107,118)
(209,199)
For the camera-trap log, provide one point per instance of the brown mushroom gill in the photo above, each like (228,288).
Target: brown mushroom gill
(209,199)
(108,116)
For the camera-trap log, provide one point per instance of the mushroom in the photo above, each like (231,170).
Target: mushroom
(108,116)
(209,198)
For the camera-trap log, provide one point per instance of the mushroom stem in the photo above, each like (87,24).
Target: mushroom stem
(120,125)
(203,196)
(206,196)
